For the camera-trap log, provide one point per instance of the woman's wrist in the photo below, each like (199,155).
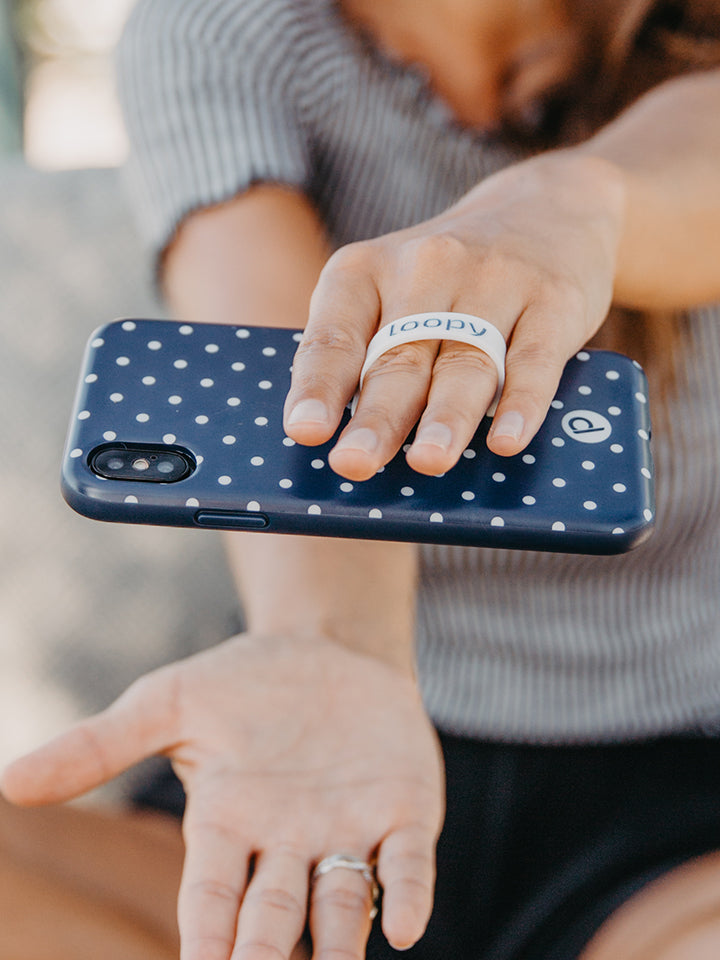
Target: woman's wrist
(580,183)
(358,594)
(379,644)
(669,246)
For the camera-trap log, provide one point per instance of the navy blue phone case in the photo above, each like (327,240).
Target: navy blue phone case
(215,393)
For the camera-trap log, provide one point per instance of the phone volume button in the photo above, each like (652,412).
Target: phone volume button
(231,519)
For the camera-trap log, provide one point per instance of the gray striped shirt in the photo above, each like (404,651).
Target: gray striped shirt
(513,645)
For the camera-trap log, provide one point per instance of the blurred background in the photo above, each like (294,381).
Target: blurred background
(85,607)
(58,102)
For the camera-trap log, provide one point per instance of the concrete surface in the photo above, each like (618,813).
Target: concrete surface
(85,607)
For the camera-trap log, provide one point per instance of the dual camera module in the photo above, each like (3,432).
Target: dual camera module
(139,461)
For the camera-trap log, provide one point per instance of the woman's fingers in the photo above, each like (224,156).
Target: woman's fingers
(446,385)
(267,919)
(392,399)
(91,753)
(542,342)
(213,883)
(340,915)
(274,909)
(406,870)
(464,381)
(451,385)
(344,312)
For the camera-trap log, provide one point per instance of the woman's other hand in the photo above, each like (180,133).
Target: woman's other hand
(532,250)
(290,750)
(540,250)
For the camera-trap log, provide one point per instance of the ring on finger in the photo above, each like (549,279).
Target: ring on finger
(346,861)
(460,327)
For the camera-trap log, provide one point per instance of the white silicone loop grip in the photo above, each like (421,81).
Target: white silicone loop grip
(461,327)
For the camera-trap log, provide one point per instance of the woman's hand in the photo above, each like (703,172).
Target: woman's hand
(531,250)
(290,750)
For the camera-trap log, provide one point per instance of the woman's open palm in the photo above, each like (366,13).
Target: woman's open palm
(290,750)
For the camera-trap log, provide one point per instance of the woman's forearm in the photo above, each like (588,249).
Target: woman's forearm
(253,260)
(665,150)
(359,593)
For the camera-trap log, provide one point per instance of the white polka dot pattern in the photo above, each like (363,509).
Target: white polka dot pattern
(218,392)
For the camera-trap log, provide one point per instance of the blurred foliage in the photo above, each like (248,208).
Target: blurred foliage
(33,33)
(10,83)
(56,80)
(69,28)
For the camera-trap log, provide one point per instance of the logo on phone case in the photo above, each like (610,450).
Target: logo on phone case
(586,426)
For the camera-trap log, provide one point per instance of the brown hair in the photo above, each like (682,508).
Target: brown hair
(629,46)
(639,44)
(623,49)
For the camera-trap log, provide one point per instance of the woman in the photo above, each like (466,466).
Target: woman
(577,698)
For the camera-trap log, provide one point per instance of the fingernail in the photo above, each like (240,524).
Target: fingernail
(510,424)
(436,434)
(362,439)
(308,411)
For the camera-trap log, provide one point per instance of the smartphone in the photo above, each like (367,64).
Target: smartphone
(181,424)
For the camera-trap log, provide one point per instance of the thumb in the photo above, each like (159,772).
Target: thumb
(137,725)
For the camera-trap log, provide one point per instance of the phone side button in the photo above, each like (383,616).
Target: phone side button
(224,520)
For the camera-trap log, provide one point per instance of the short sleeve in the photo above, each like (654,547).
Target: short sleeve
(209,94)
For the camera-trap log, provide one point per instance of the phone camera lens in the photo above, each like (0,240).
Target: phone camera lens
(152,464)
